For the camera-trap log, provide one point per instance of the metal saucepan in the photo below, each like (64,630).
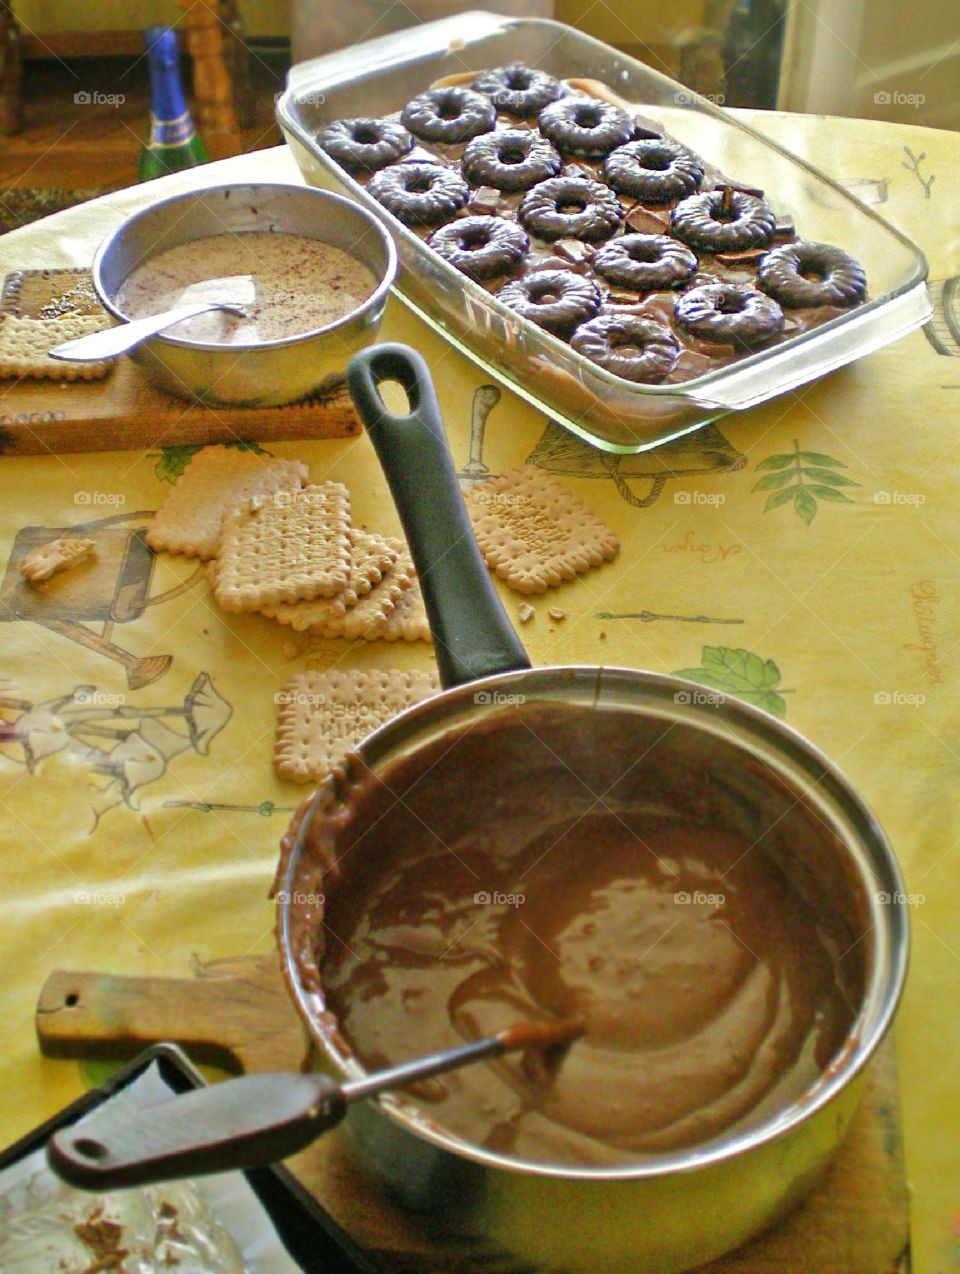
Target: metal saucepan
(674,1211)
(265,373)
(660,1213)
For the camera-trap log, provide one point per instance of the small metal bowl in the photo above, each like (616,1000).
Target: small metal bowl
(265,373)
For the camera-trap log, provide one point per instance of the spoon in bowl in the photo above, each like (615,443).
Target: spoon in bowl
(257,1119)
(118,340)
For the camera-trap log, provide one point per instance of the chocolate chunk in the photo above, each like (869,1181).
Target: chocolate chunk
(785,230)
(573,250)
(485,201)
(419,155)
(642,131)
(692,363)
(740,258)
(623,298)
(643,221)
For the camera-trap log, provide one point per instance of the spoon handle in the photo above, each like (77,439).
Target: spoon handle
(118,340)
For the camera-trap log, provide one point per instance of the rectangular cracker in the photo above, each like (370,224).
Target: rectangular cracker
(283,548)
(534,532)
(408,619)
(371,610)
(371,557)
(24,343)
(190,517)
(321,716)
(52,293)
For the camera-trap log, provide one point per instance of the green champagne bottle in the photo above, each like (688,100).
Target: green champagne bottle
(173,143)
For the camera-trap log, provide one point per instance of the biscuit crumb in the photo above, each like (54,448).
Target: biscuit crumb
(58,555)
(526,613)
(290,650)
(556,613)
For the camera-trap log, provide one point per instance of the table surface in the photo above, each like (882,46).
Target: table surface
(141,825)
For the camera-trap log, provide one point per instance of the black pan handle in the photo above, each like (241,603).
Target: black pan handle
(471,632)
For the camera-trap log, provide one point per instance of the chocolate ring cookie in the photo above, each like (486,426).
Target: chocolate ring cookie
(645,262)
(518,90)
(510,159)
(629,346)
(723,221)
(585,126)
(449,115)
(555,299)
(570,208)
(481,247)
(654,170)
(419,194)
(728,314)
(785,274)
(363,144)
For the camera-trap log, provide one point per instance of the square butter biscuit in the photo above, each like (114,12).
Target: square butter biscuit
(283,548)
(324,715)
(534,532)
(190,517)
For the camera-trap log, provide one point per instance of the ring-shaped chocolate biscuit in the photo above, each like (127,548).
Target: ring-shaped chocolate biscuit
(723,221)
(645,262)
(728,314)
(449,115)
(630,346)
(570,208)
(481,247)
(785,274)
(554,299)
(419,194)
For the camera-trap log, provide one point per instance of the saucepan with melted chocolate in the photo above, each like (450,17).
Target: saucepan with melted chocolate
(682,874)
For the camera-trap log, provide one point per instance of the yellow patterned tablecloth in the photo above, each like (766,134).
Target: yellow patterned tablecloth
(140,810)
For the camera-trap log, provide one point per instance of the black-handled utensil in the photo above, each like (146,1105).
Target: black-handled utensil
(258,1119)
(471,632)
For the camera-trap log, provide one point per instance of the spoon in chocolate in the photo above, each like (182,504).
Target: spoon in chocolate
(241,1123)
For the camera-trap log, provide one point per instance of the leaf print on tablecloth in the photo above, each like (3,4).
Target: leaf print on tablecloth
(173,460)
(803,477)
(742,674)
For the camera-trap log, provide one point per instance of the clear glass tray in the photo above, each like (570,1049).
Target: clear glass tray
(379,76)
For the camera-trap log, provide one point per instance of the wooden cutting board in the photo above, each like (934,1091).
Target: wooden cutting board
(124,411)
(236,1014)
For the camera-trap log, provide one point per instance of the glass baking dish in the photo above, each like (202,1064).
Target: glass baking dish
(379,76)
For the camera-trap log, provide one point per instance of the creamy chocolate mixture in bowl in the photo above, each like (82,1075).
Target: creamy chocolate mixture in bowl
(311,270)
(685,875)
